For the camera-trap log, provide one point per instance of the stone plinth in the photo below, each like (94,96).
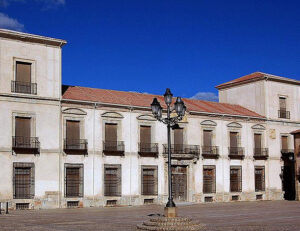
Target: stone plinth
(170,223)
(170,212)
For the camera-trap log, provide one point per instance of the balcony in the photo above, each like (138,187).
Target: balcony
(236,153)
(148,149)
(24,87)
(113,148)
(287,151)
(210,152)
(261,153)
(283,114)
(26,145)
(76,146)
(182,151)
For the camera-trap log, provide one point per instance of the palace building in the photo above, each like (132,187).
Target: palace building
(71,146)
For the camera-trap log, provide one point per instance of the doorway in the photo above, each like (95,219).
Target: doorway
(288,177)
(179,183)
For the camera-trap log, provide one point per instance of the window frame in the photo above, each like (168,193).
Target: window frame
(213,185)
(263,177)
(118,192)
(32,179)
(155,189)
(239,181)
(81,180)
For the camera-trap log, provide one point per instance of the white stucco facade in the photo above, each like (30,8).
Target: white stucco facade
(49,112)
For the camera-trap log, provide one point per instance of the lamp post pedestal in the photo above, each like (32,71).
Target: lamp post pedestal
(170,212)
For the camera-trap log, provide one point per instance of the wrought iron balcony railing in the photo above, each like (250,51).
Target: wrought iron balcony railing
(236,152)
(113,147)
(183,151)
(76,146)
(261,153)
(148,149)
(25,144)
(210,152)
(24,87)
(284,114)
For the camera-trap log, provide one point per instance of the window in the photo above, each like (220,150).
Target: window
(234,139)
(235,179)
(23,180)
(209,179)
(207,138)
(259,179)
(112,180)
(257,144)
(22,132)
(149,180)
(284,144)
(283,113)
(145,138)
(72,134)
(74,180)
(23,82)
(178,140)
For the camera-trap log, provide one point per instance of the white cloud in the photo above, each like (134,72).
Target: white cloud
(10,23)
(46,4)
(209,96)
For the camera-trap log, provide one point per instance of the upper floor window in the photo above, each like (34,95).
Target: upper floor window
(23,79)
(73,142)
(111,143)
(146,147)
(178,140)
(283,113)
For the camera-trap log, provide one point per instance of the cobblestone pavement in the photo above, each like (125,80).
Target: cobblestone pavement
(235,216)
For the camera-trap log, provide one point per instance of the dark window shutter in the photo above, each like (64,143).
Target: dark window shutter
(207,138)
(233,139)
(284,142)
(111,132)
(178,140)
(73,130)
(145,134)
(23,127)
(257,140)
(23,72)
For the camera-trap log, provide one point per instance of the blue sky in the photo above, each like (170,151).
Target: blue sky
(148,45)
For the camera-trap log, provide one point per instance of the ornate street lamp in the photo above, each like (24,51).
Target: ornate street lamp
(180,109)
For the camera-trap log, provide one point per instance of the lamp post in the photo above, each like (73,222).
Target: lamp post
(180,109)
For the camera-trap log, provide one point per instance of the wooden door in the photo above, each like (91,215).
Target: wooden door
(179,183)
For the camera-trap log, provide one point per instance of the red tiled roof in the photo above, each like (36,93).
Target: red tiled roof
(255,77)
(144,100)
(245,78)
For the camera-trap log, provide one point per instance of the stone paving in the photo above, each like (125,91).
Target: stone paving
(235,216)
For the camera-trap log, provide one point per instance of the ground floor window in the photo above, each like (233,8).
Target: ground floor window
(149,180)
(259,178)
(73,180)
(209,179)
(112,180)
(236,179)
(23,180)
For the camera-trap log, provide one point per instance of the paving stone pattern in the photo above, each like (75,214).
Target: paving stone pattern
(235,216)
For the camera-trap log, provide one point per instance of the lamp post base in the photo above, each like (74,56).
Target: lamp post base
(170,212)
